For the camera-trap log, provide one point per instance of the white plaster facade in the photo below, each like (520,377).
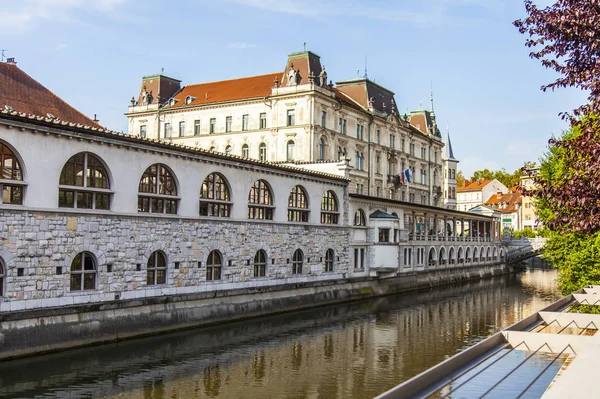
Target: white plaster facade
(467,198)
(328,124)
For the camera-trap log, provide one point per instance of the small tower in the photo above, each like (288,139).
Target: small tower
(450,164)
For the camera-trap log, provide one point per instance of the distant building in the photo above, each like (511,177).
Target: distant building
(510,206)
(529,211)
(297,116)
(450,167)
(476,193)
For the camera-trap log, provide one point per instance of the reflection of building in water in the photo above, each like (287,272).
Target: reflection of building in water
(350,356)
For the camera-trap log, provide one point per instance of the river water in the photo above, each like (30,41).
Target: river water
(355,350)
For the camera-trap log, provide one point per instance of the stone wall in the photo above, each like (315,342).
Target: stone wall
(37,249)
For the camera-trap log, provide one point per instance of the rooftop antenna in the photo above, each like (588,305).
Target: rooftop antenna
(431,92)
(305,46)
(162,71)
(358,73)
(2,57)
(366,76)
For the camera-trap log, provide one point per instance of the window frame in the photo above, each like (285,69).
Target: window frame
(245,151)
(169,202)
(329,260)
(296,212)
(297,262)
(143,131)
(260,263)
(80,276)
(197,127)
(155,269)
(214,270)
(359,218)
(329,208)
(213,187)
(262,124)
(181,128)
(79,193)
(245,122)
(291,117)
(13,181)
(212,125)
(260,201)
(383,235)
(289,150)
(262,152)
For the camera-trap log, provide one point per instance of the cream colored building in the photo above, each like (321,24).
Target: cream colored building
(298,116)
(528,210)
(477,193)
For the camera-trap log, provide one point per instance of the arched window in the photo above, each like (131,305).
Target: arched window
(451,257)
(245,151)
(298,205)
(83,272)
(2,276)
(157,191)
(468,254)
(329,260)
(321,149)
(228,150)
(290,150)
(475,255)
(156,269)
(297,262)
(214,265)
(214,196)
(84,183)
(12,191)
(329,208)
(260,201)
(262,152)
(260,264)
(359,217)
(460,255)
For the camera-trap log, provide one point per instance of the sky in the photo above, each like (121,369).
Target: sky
(93,54)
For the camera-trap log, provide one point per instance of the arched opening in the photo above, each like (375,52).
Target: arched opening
(495,254)
(84,183)
(156,269)
(215,199)
(452,256)
(214,264)
(245,151)
(260,264)
(83,272)
(260,201)
(329,255)
(461,258)
(298,205)
(501,254)
(262,152)
(158,191)
(359,218)
(297,262)
(468,255)
(12,173)
(321,149)
(475,255)
(290,150)
(228,150)
(442,257)
(329,208)
(432,257)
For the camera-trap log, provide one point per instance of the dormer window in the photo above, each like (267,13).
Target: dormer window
(189,99)
(9,108)
(49,115)
(172,102)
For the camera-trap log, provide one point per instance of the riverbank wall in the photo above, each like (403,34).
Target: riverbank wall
(36,331)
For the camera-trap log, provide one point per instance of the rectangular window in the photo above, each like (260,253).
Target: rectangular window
(181,129)
(360,132)
(213,124)
(378,136)
(167,129)
(263,120)
(412,149)
(423,177)
(344,125)
(423,153)
(291,117)
(403,145)
(228,124)
(340,126)
(197,127)
(244,122)
(323,119)
(384,235)
(143,131)
(392,141)
(359,258)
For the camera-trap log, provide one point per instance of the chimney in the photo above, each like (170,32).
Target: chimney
(11,61)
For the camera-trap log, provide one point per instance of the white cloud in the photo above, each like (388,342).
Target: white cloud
(23,15)
(241,45)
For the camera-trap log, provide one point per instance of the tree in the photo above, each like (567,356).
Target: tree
(508,179)
(565,37)
(460,179)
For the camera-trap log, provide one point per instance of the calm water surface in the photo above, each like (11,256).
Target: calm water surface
(348,351)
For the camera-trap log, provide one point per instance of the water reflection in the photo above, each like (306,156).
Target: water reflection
(356,350)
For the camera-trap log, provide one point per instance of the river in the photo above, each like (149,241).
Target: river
(355,350)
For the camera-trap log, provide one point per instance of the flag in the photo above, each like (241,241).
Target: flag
(407,175)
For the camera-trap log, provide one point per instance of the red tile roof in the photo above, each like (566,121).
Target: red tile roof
(510,200)
(474,186)
(227,90)
(24,94)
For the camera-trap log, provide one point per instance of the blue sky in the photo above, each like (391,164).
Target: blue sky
(486,88)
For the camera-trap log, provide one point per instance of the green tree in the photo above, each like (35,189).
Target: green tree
(460,179)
